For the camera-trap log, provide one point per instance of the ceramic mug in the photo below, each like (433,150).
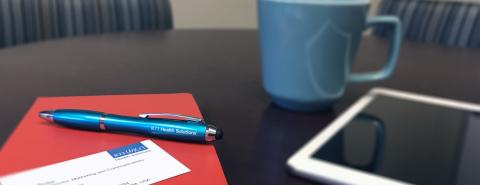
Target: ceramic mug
(307,49)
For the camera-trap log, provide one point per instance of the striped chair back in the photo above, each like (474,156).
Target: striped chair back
(25,21)
(443,22)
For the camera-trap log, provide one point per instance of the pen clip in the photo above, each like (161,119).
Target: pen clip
(179,117)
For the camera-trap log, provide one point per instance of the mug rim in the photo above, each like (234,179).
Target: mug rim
(324,2)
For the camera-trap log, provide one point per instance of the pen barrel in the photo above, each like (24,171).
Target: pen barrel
(162,128)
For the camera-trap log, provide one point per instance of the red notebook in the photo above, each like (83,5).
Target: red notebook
(36,143)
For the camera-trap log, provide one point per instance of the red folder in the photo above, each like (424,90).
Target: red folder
(36,143)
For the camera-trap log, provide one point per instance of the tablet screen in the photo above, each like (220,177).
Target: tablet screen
(410,141)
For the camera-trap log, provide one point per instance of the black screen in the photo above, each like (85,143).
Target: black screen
(410,141)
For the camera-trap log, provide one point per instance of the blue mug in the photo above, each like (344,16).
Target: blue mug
(307,49)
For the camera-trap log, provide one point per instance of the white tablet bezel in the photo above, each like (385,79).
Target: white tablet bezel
(302,163)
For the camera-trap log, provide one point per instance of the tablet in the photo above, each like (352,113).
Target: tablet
(391,137)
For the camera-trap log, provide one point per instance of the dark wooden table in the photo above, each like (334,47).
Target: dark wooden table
(222,70)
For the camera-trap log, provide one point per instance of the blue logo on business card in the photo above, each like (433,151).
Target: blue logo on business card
(127,150)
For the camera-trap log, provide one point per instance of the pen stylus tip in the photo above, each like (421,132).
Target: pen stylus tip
(46,115)
(219,134)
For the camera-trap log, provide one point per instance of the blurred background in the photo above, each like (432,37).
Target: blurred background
(221,14)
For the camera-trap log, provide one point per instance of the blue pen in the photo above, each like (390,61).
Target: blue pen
(184,128)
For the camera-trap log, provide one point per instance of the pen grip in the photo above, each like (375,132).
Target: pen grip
(80,119)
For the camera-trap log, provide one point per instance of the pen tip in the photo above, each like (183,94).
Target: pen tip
(46,115)
(219,134)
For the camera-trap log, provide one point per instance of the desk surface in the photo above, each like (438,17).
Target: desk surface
(222,70)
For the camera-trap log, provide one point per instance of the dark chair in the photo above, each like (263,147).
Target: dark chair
(443,22)
(25,21)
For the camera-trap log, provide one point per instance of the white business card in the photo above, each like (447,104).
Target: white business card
(134,164)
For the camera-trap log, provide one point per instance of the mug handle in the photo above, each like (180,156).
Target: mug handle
(395,43)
